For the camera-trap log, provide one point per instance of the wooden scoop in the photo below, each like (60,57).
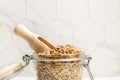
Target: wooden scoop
(35,41)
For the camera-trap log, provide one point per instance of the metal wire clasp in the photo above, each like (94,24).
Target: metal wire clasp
(26,59)
(86,65)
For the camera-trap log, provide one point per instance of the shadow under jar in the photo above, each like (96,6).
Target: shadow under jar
(59,66)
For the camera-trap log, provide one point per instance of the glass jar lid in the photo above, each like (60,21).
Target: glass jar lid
(14,69)
(10,71)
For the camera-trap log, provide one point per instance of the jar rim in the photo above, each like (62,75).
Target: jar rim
(58,57)
(61,53)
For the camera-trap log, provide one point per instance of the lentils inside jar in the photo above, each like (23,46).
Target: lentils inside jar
(60,70)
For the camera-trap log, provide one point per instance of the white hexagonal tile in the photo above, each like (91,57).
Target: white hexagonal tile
(45,10)
(6,19)
(113,35)
(87,46)
(72,11)
(32,25)
(14,9)
(19,42)
(58,33)
(88,35)
(35,17)
(10,55)
(5,36)
(104,11)
(104,62)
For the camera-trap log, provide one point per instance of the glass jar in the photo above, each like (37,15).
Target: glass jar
(55,66)
(60,66)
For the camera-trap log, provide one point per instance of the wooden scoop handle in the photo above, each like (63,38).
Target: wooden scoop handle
(23,32)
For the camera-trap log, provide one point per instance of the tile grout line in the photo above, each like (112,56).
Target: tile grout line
(6,14)
(81,21)
(112,49)
(88,8)
(113,21)
(49,22)
(25,8)
(97,22)
(56,9)
(64,22)
(104,36)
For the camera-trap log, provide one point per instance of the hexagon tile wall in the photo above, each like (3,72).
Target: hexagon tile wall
(91,25)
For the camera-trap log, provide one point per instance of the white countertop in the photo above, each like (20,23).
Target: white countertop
(102,78)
